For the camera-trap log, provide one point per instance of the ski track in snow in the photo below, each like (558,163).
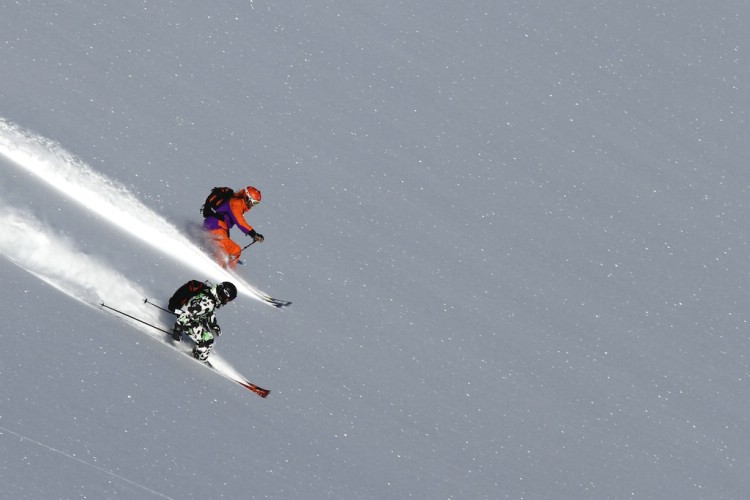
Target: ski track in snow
(55,258)
(23,438)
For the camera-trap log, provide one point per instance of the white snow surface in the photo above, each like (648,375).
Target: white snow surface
(514,234)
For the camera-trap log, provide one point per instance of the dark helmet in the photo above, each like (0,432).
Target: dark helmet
(226,292)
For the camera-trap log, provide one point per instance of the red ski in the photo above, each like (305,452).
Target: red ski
(257,390)
(246,384)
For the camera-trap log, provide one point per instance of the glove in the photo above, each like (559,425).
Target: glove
(177,332)
(216,330)
(256,236)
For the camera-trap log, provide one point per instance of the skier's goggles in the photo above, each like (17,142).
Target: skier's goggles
(224,295)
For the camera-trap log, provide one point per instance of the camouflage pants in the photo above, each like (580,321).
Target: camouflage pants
(204,341)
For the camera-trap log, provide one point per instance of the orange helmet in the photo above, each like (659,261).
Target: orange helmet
(252,195)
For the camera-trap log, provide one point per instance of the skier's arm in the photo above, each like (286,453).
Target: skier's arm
(237,209)
(213,325)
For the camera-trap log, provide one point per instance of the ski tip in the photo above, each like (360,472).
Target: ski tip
(257,390)
(279,303)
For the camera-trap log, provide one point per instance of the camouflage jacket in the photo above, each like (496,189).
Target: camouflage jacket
(201,311)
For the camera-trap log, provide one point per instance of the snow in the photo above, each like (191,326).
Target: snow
(513,234)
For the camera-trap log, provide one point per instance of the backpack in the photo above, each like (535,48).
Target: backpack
(187,292)
(217,196)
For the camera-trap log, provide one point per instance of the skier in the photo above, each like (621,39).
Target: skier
(197,318)
(228,214)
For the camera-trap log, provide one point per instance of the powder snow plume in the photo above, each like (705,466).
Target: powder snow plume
(58,260)
(55,259)
(50,163)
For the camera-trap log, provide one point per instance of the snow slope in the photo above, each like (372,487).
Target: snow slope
(513,232)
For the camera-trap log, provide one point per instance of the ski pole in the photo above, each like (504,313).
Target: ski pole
(252,242)
(242,249)
(146,301)
(136,319)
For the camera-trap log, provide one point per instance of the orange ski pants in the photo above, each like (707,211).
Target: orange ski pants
(226,252)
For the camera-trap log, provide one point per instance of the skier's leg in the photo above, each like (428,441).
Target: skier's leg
(204,344)
(233,251)
(223,247)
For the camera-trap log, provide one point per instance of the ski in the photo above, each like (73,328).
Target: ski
(252,387)
(275,302)
(244,383)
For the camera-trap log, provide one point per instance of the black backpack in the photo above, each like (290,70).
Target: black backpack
(187,292)
(217,196)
